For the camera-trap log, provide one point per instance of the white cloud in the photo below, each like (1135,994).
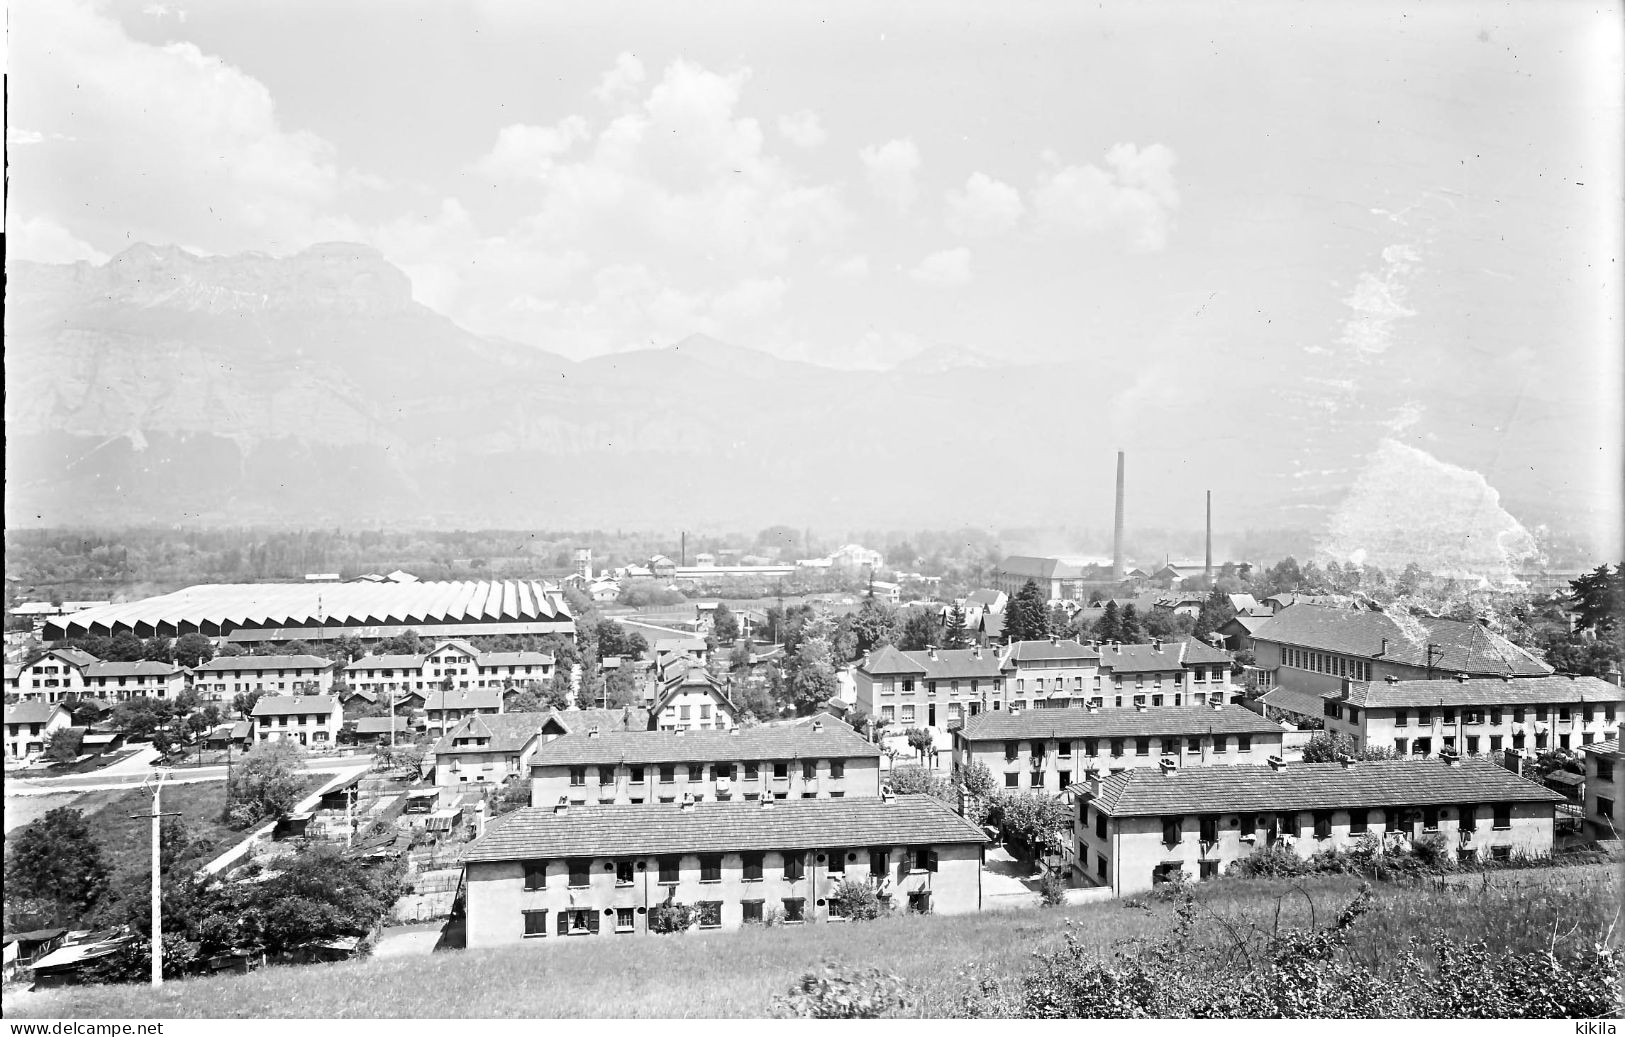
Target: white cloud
(1135,196)
(1378,301)
(985,206)
(890,169)
(946,268)
(624,77)
(41,239)
(853,267)
(528,152)
(802,129)
(749,300)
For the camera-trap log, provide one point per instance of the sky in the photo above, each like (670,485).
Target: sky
(1404,213)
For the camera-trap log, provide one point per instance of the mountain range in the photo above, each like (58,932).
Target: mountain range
(166,387)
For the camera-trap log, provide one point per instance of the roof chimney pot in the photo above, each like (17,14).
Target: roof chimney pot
(1276,763)
(563,806)
(1169,765)
(818,725)
(592,732)
(688,803)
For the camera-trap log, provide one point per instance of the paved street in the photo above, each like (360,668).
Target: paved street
(124,777)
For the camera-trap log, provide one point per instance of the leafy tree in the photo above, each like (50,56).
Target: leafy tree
(739,658)
(187,700)
(1033,818)
(810,677)
(157,649)
(64,744)
(920,781)
(671,917)
(755,702)
(140,717)
(1109,627)
(266,783)
(1216,611)
(615,640)
(193,650)
(1326,747)
(1132,633)
(1598,598)
(243,702)
(724,625)
(621,688)
(858,900)
(1026,617)
(919,739)
(56,861)
(1168,625)
(920,632)
(876,623)
(508,797)
(407,643)
(125,647)
(955,633)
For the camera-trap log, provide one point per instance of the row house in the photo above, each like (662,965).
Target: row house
(1148,825)
(29,724)
(444,710)
(486,750)
(1044,750)
(929,688)
(227,676)
(1163,673)
(568,871)
(456,661)
(690,699)
(1604,790)
(56,676)
(1050,674)
(1475,716)
(120,681)
(1306,651)
(310,720)
(817,761)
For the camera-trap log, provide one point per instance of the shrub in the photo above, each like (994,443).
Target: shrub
(860,899)
(672,917)
(1269,862)
(1052,889)
(830,993)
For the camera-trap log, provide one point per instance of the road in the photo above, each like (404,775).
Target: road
(122,777)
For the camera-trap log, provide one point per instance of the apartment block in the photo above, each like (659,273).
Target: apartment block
(311,720)
(766,762)
(121,681)
(56,676)
(30,724)
(1475,716)
(485,750)
(1604,791)
(1148,825)
(567,871)
(226,676)
(930,688)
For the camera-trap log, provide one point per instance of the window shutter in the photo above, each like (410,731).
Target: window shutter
(930,860)
(592,923)
(564,923)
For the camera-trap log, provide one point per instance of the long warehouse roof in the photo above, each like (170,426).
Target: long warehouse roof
(301,604)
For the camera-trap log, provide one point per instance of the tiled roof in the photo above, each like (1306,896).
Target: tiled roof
(664,828)
(993,624)
(1072,722)
(30,712)
(1609,748)
(381,725)
(264,662)
(984,598)
(1038,568)
(888,661)
(1197,653)
(1247,623)
(1467,647)
(284,705)
(1022,651)
(389,662)
(508,732)
(514,659)
(1296,598)
(1243,602)
(143,668)
(1141,658)
(1145,791)
(835,741)
(464,698)
(577,721)
(1485,691)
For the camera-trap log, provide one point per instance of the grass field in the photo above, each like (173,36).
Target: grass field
(714,975)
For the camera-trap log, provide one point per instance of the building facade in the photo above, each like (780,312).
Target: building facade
(446,709)
(56,676)
(690,699)
(931,688)
(121,681)
(1149,825)
(1475,716)
(225,677)
(816,761)
(29,724)
(310,720)
(487,750)
(567,871)
(1605,791)
(1045,750)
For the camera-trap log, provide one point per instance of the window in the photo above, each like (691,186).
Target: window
(668,773)
(710,914)
(1357,822)
(1323,825)
(625,918)
(711,868)
(1605,806)
(1063,749)
(1401,717)
(1012,779)
(1142,747)
(623,873)
(1248,824)
(1495,715)
(1064,778)
(1517,714)
(1222,742)
(1244,743)
(794,909)
(751,771)
(535,874)
(683,712)
(837,769)
(1501,853)
(670,868)
(1424,718)
(696,772)
(809,770)
(606,775)
(580,875)
(1171,834)
(536,923)
(1100,825)
(1117,746)
(908,714)
(781,768)
(1502,816)
(1450,716)
(1193,744)
(1472,745)
(1495,743)
(637,775)
(1467,815)
(753,867)
(1207,870)
(1541,713)
(879,861)
(1011,750)
(1430,819)
(1100,866)
(752,910)
(795,865)
(1091,747)
(1605,768)
(1209,829)
(889,713)
(1564,714)
(925,859)
(837,862)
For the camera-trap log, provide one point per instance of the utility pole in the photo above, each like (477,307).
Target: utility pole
(349,822)
(157,817)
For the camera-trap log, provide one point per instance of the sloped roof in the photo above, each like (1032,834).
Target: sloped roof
(1246,622)
(509,732)
(1199,654)
(887,661)
(464,698)
(1141,658)
(1467,647)
(389,662)
(142,668)
(1482,691)
(1609,748)
(998,725)
(709,827)
(264,662)
(1022,651)
(626,718)
(1147,791)
(286,705)
(514,659)
(1242,602)
(762,742)
(382,725)
(31,712)
(985,598)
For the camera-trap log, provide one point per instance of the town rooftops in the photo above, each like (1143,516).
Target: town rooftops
(1249,623)
(264,662)
(1198,654)
(1479,691)
(999,725)
(30,712)
(578,721)
(711,827)
(984,598)
(1027,651)
(1142,658)
(507,732)
(514,659)
(287,705)
(464,698)
(833,741)
(1608,750)
(389,662)
(938,664)
(1149,791)
(1458,647)
(76,657)
(382,726)
(142,668)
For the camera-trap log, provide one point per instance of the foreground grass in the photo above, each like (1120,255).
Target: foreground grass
(713,975)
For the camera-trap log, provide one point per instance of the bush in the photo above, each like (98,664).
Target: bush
(831,994)
(1269,862)
(672,917)
(860,899)
(1052,889)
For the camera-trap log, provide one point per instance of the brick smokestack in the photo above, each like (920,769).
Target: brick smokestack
(1207,563)
(1117,525)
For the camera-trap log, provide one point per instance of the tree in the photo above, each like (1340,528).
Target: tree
(1109,627)
(976,779)
(140,717)
(1598,599)
(671,917)
(64,744)
(810,677)
(724,625)
(919,739)
(754,702)
(187,700)
(1026,617)
(621,688)
(266,784)
(243,702)
(1130,630)
(1325,747)
(615,641)
(920,632)
(56,861)
(125,647)
(876,623)
(955,633)
(193,650)
(920,781)
(406,643)
(858,901)
(1033,819)
(1216,611)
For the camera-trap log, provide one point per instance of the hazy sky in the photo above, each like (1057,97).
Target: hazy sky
(1368,207)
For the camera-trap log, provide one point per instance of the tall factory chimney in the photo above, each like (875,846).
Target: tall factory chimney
(682,552)
(1207,563)
(1117,525)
